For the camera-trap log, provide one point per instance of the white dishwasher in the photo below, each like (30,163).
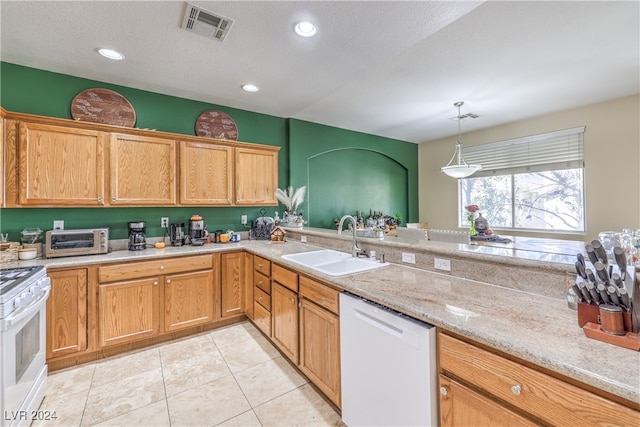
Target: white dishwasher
(388,366)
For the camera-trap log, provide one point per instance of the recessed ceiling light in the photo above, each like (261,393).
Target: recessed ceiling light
(250,88)
(111,54)
(305,29)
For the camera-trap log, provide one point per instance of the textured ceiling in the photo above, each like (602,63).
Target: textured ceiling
(387,68)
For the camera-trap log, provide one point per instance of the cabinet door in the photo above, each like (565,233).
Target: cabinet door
(60,166)
(284,318)
(320,348)
(128,311)
(67,312)
(142,170)
(206,174)
(256,176)
(460,406)
(232,284)
(188,300)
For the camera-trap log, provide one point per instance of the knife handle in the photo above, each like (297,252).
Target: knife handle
(611,290)
(624,298)
(576,290)
(580,270)
(600,252)
(586,296)
(621,260)
(591,253)
(602,290)
(601,271)
(595,296)
(617,280)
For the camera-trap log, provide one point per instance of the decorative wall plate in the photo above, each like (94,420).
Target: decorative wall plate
(216,124)
(99,105)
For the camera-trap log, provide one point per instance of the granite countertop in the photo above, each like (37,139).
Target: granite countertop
(539,329)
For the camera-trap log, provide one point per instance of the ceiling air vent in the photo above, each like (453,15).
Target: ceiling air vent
(206,23)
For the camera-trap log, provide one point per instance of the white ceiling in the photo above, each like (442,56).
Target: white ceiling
(386,68)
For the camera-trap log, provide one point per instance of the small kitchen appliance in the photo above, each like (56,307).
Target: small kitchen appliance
(177,234)
(61,243)
(137,238)
(196,230)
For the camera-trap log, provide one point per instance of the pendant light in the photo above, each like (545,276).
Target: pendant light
(459,169)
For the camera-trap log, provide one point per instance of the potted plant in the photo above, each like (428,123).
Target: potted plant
(291,199)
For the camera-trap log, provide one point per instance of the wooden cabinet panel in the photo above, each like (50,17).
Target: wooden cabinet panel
(262,298)
(544,397)
(262,318)
(142,170)
(284,320)
(460,406)
(320,294)
(188,300)
(67,312)
(60,166)
(256,173)
(136,270)
(206,174)
(320,348)
(285,277)
(262,282)
(232,284)
(128,311)
(262,265)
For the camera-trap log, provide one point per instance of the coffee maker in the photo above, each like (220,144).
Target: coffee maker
(137,238)
(196,230)
(177,234)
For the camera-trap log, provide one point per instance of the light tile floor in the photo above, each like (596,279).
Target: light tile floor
(231,376)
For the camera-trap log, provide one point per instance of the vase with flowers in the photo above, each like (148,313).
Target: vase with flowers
(471,217)
(291,199)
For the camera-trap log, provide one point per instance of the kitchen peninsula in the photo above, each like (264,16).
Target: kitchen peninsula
(536,329)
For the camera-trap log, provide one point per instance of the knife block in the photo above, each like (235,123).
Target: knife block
(589,321)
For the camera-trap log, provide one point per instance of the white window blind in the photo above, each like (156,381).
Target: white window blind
(537,153)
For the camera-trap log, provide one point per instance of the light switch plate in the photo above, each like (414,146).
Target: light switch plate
(58,224)
(442,264)
(243,220)
(409,258)
(303,239)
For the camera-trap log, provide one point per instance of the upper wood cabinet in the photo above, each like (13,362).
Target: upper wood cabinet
(60,166)
(142,170)
(256,176)
(206,174)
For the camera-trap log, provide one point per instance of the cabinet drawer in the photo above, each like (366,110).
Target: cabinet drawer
(262,298)
(262,318)
(261,281)
(262,265)
(320,294)
(546,398)
(285,277)
(136,270)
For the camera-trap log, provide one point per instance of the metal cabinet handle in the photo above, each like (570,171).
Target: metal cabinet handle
(293,301)
(100,199)
(260,282)
(516,389)
(162,267)
(155,283)
(259,265)
(113,199)
(260,298)
(168,281)
(444,391)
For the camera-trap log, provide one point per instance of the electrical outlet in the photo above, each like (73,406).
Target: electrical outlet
(243,220)
(58,224)
(442,264)
(164,222)
(409,258)
(303,239)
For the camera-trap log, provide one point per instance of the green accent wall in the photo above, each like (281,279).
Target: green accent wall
(381,166)
(347,171)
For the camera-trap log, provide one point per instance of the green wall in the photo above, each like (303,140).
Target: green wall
(347,171)
(34,91)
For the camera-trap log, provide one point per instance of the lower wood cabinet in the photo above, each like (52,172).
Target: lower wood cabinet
(67,312)
(284,320)
(481,387)
(188,300)
(232,284)
(129,310)
(320,340)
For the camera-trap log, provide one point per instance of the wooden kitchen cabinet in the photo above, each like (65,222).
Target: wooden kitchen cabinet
(142,170)
(320,337)
(188,300)
(256,176)
(284,311)
(129,311)
(467,369)
(59,166)
(232,284)
(206,174)
(262,294)
(67,312)
(460,406)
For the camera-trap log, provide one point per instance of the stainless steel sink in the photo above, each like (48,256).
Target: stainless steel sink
(333,263)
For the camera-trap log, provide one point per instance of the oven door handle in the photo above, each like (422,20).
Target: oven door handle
(23,312)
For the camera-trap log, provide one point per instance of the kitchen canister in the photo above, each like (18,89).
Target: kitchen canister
(611,320)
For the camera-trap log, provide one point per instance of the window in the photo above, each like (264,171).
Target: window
(532,183)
